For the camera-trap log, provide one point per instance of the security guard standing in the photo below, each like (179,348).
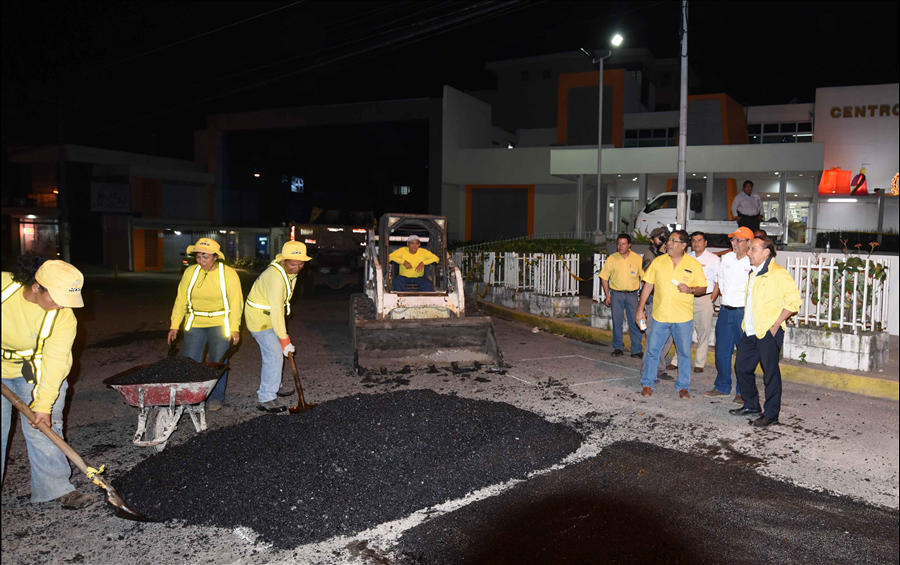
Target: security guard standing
(268,303)
(38,330)
(210,302)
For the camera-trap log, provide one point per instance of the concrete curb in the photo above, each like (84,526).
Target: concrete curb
(868,386)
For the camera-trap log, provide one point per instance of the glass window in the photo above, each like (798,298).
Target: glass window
(631,143)
(631,134)
(645,133)
(652,143)
(754,139)
(789,128)
(774,138)
(672,141)
(804,127)
(804,139)
(662,201)
(659,132)
(770,128)
(754,128)
(673,132)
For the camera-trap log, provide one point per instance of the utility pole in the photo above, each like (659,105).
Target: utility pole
(681,213)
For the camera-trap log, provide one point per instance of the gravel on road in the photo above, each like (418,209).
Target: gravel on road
(347,464)
(168,370)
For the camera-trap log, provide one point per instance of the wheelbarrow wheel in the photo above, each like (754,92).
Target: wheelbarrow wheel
(156,427)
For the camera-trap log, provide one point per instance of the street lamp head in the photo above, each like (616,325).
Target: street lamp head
(616,40)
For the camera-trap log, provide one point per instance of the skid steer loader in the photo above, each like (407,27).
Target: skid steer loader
(393,329)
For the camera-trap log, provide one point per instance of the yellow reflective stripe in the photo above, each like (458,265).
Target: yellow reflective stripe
(10,290)
(260,306)
(46,328)
(11,354)
(225,323)
(288,291)
(190,305)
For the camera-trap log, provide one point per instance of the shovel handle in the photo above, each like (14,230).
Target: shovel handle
(302,403)
(48,431)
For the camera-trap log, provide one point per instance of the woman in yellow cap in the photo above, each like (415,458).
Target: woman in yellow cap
(210,303)
(266,305)
(38,331)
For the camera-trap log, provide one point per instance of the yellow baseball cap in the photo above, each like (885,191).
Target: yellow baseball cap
(62,281)
(206,245)
(293,251)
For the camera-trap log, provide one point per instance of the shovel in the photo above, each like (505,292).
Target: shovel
(301,403)
(113,497)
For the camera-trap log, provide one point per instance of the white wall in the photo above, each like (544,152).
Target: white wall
(861,215)
(854,142)
(466,124)
(555,208)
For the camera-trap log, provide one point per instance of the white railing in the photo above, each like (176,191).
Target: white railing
(842,292)
(546,274)
(599,261)
(586,236)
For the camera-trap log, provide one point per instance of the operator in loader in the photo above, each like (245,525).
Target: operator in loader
(210,303)
(267,304)
(412,260)
(38,330)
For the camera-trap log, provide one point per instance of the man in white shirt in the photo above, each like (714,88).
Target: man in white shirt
(731,285)
(747,207)
(703,305)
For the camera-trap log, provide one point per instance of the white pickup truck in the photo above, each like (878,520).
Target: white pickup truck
(661,211)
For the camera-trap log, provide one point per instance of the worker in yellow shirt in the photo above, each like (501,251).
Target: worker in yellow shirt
(38,331)
(675,279)
(210,303)
(412,260)
(267,304)
(621,281)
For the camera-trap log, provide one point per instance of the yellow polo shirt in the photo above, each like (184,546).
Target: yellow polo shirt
(623,273)
(269,290)
(670,305)
(207,297)
(421,256)
(21,324)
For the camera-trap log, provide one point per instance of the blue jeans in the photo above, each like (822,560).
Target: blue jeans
(728,335)
(272,364)
(425,285)
(195,342)
(50,469)
(625,303)
(682,334)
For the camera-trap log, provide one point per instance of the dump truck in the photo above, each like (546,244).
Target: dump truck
(416,329)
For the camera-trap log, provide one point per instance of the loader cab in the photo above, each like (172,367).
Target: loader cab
(393,232)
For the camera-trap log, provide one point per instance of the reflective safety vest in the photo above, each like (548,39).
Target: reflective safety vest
(288,291)
(224,313)
(36,354)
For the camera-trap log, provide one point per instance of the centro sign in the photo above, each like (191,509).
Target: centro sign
(860,111)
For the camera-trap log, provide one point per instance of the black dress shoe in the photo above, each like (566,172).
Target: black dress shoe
(665,377)
(616,353)
(762,422)
(743,411)
(638,355)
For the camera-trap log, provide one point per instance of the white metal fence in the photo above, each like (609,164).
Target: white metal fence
(843,292)
(586,236)
(599,261)
(542,273)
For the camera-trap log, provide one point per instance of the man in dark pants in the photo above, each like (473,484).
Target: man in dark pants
(747,207)
(772,298)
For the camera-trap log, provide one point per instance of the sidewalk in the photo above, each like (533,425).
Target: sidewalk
(883,384)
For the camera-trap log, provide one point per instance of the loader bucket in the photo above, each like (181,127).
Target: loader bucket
(394,344)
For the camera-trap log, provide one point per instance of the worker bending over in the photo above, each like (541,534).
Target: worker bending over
(38,331)
(267,304)
(210,303)
(412,260)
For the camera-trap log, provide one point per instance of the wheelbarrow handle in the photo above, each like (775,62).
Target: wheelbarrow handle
(229,352)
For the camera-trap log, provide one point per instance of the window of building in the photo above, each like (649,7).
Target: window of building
(524,75)
(402,190)
(657,137)
(782,132)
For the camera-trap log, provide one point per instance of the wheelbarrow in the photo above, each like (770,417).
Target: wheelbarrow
(161,405)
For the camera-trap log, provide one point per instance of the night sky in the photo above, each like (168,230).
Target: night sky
(140,76)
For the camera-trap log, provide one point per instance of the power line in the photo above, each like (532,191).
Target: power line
(179,42)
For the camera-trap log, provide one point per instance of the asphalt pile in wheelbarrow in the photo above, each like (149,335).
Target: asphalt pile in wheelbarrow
(169,370)
(345,466)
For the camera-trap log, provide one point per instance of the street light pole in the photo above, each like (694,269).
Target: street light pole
(681,210)
(599,57)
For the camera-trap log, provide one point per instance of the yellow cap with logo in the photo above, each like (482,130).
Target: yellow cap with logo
(206,245)
(293,251)
(62,281)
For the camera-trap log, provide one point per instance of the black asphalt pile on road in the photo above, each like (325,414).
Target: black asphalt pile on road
(344,466)
(168,370)
(638,503)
